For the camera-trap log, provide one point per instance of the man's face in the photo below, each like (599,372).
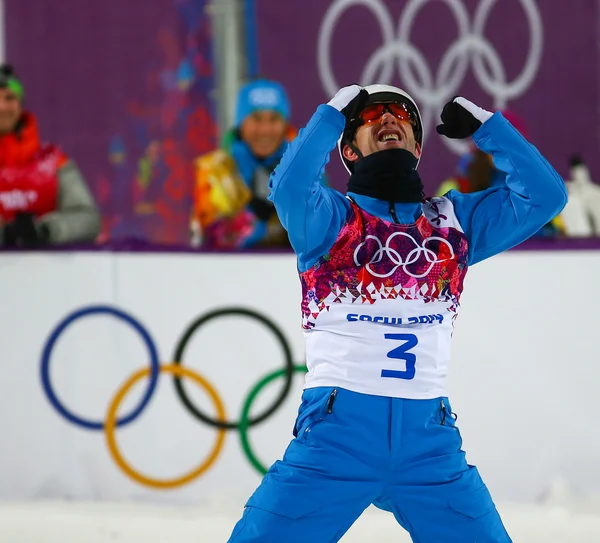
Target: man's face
(10,110)
(264,132)
(388,132)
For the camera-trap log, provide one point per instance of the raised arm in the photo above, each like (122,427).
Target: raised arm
(311,213)
(533,193)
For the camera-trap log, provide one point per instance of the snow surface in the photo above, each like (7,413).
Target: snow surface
(76,522)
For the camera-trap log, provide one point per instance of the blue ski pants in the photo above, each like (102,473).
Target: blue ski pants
(351,450)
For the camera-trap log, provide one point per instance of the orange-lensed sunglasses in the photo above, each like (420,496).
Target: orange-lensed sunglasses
(373,113)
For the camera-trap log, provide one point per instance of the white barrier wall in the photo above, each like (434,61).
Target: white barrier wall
(523,378)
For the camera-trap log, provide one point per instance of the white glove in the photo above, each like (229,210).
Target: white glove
(344,96)
(479,113)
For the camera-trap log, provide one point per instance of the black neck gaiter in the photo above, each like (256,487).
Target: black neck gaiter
(388,175)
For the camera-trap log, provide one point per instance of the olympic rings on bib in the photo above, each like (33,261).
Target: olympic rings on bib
(220,422)
(413,257)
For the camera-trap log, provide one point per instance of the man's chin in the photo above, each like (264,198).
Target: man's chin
(386,146)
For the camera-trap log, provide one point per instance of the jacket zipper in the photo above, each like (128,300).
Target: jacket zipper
(393,213)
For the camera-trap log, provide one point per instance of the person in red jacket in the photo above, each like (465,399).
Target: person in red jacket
(44,199)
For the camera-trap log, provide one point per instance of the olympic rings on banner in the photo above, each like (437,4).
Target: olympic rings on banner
(244,424)
(397,54)
(287,353)
(109,429)
(51,342)
(220,422)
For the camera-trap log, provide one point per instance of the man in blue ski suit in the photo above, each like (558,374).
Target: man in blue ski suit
(382,271)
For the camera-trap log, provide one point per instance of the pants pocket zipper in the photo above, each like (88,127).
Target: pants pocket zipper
(329,411)
(332,397)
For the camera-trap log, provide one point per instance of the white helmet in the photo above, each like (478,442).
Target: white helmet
(382,94)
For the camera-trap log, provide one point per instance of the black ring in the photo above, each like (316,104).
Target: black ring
(289,365)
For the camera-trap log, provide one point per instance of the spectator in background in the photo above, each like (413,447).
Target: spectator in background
(581,215)
(476,172)
(231,209)
(43,196)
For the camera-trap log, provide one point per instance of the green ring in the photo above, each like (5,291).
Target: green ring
(245,416)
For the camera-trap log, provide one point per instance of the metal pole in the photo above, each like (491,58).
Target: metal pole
(2,33)
(228,38)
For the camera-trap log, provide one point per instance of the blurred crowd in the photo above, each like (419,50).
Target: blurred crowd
(45,200)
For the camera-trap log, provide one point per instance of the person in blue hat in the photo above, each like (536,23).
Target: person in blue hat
(231,209)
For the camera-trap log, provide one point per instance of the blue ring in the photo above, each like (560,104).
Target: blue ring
(45,367)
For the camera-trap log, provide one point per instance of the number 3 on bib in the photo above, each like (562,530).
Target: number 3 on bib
(402,353)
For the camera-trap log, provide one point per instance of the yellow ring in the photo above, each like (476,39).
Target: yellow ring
(111,418)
